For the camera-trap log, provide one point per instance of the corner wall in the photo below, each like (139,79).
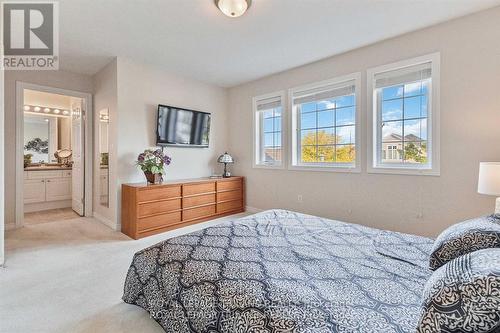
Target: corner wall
(470,118)
(138,91)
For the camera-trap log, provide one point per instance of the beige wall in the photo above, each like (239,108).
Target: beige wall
(140,89)
(106,97)
(57,79)
(470,118)
(2,187)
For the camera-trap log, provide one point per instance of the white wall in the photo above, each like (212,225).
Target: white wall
(57,79)
(106,97)
(140,89)
(132,92)
(470,118)
(2,187)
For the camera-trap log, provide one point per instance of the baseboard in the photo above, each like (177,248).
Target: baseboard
(106,221)
(252,210)
(40,206)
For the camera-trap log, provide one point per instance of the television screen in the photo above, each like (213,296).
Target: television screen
(177,126)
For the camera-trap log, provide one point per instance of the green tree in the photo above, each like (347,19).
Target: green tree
(416,153)
(325,151)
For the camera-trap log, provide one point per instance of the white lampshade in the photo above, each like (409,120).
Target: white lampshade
(489,178)
(225,158)
(233,8)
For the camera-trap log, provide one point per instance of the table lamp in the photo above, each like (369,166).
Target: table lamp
(489,181)
(225,158)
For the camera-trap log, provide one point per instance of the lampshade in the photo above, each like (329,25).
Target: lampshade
(225,158)
(233,8)
(489,178)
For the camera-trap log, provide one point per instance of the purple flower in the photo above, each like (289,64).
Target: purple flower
(141,157)
(166,160)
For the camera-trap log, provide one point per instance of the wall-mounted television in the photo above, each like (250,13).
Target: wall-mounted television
(182,127)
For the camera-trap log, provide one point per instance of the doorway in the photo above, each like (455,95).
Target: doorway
(53,154)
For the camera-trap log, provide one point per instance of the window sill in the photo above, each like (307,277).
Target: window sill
(404,171)
(269,166)
(329,168)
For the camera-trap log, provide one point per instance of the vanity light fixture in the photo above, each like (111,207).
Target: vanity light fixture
(46,110)
(233,8)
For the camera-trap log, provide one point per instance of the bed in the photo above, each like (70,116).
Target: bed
(282,271)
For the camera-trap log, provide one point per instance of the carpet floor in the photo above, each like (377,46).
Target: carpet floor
(67,276)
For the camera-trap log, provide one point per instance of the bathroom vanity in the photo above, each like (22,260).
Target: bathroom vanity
(47,187)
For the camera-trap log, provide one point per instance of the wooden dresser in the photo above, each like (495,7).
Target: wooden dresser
(152,209)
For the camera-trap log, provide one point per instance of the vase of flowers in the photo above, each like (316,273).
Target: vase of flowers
(153,163)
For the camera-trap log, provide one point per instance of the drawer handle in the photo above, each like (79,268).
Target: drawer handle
(48,181)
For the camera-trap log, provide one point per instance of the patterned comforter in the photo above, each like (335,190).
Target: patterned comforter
(281,271)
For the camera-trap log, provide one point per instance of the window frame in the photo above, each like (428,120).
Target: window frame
(374,151)
(294,125)
(258,132)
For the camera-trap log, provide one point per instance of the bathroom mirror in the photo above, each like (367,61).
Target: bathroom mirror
(104,157)
(44,136)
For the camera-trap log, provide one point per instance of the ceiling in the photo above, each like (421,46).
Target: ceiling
(192,38)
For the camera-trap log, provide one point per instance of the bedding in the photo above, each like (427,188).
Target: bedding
(465,237)
(281,271)
(463,296)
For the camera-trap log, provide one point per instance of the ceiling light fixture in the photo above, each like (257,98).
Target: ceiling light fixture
(233,8)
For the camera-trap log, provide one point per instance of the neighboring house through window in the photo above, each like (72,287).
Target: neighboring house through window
(405,117)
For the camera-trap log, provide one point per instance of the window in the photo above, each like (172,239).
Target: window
(404,128)
(268,111)
(324,124)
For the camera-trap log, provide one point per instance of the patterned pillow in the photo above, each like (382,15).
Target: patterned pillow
(463,295)
(465,237)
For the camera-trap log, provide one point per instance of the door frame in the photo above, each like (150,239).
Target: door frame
(88,130)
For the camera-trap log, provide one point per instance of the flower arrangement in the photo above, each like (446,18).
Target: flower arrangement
(152,163)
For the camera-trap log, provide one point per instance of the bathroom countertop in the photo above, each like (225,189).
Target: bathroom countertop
(47,168)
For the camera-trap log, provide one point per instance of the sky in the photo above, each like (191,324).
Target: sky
(404,108)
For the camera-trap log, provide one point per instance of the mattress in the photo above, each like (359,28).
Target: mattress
(282,271)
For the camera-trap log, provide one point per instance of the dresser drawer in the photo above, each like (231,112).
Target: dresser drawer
(160,193)
(158,221)
(194,189)
(198,200)
(229,185)
(229,206)
(229,195)
(195,213)
(158,207)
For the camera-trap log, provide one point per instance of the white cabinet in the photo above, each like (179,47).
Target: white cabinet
(34,190)
(57,189)
(47,186)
